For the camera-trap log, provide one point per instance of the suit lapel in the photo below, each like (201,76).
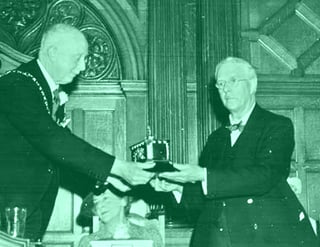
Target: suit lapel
(252,127)
(217,149)
(33,68)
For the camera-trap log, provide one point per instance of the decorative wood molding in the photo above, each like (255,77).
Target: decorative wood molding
(309,56)
(312,20)
(278,51)
(288,78)
(102,60)
(14,55)
(22,30)
(18,16)
(129,34)
(312,166)
(251,35)
(98,88)
(297,65)
(66,11)
(292,92)
(308,16)
(288,89)
(191,87)
(273,22)
(288,85)
(8,241)
(111,87)
(134,86)
(167,91)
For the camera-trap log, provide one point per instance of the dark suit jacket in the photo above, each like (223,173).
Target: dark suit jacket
(249,202)
(33,148)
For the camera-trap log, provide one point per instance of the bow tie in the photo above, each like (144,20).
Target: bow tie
(56,97)
(233,127)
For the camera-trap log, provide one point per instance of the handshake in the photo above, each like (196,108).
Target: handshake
(162,175)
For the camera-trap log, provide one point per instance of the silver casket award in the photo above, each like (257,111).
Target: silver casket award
(151,149)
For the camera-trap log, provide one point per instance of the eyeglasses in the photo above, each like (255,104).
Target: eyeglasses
(233,82)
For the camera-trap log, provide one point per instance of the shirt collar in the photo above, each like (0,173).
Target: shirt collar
(53,86)
(245,118)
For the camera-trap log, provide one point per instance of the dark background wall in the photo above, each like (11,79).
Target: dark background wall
(151,63)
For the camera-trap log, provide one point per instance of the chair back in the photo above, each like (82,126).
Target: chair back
(7,241)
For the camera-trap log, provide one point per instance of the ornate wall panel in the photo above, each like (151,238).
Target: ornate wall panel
(23,22)
(311,119)
(298,98)
(217,38)
(281,39)
(111,93)
(168,87)
(284,35)
(313,188)
(99,120)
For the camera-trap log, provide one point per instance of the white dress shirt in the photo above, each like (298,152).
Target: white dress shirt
(234,135)
(52,85)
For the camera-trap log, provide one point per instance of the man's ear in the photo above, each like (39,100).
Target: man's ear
(253,86)
(52,53)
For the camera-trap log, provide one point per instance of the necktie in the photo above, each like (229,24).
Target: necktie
(58,109)
(233,127)
(56,103)
(56,98)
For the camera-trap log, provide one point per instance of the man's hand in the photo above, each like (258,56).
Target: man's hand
(164,186)
(132,172)
(187,173)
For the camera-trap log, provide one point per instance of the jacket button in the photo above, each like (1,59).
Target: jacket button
(224,203)
(221,229)
(50,170)
(250,201)
(255,226)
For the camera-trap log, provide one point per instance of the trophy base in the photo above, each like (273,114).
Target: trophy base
(162,166)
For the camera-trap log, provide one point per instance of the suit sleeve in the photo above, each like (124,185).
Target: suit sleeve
(258,174)
(23,105)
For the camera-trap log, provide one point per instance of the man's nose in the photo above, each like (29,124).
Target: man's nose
(226,87)
(81,64)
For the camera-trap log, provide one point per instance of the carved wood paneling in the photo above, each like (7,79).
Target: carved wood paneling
(23,22)
(282,41)
(312,126)
(288,32)
(101,121)
(128,24)
(313,188)
(217,38)
(167,91)
(111,93)
(178,237)
(104,120)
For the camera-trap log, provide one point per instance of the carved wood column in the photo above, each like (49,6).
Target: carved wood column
(167,88)
(217,38)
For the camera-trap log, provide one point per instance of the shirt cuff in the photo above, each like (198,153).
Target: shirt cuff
(177,195)
(204,183)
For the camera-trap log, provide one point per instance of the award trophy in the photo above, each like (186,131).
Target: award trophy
(151,149)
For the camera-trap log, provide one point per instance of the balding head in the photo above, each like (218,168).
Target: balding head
(236,61)
(62,52)
(61,34)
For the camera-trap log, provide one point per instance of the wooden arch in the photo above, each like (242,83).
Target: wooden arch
(111,29)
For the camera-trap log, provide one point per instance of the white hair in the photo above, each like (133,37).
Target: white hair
(236,60)
(57,33)
(239,61)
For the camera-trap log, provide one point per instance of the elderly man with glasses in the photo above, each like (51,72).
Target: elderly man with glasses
(239,189)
